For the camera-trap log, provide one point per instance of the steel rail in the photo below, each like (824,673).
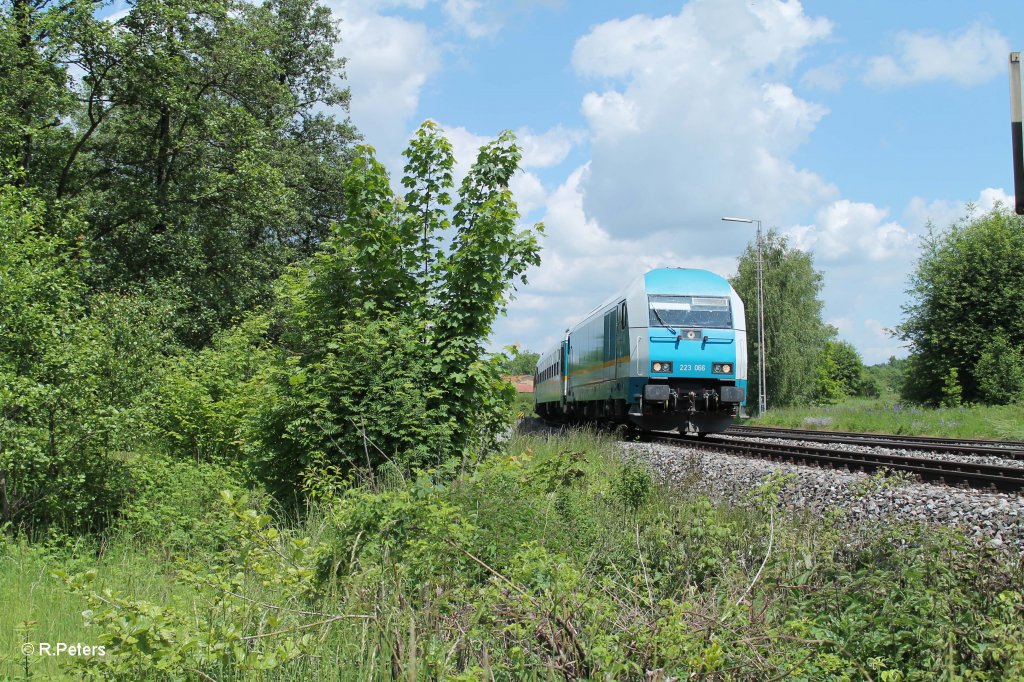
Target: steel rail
(975,475)
(955,446)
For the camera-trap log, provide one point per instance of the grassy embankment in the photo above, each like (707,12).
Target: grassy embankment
(997,422)
(553,560)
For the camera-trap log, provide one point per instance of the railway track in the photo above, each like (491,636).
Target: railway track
(948,472)
(952,446)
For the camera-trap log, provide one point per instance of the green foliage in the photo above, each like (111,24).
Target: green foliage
(234,634)
(794,333)
(997,422)
(189,138)
(206,404)
(36,40)
(840,374)
(887,377)
(938,611)
(560,470)
(952,392)
(632,487)
(881,480)
(351,367)
(518,362)
(412,526)
(72,370)
(966,308)
(828,387)
(848,364)
(1000,372)
(525,567)
(384,357)
(368,397)
(174,507)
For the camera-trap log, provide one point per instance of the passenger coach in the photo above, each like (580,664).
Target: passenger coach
(667,353)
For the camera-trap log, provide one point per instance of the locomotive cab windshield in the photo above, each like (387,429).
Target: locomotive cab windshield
(712,312)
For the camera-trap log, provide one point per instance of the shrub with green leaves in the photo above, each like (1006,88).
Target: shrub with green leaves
(965,308)
(73,369)
(206,404)
(173,506)
(1000,372)
(467,574)
(382,333)
(235,633)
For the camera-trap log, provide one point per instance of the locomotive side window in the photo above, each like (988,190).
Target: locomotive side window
(690,311)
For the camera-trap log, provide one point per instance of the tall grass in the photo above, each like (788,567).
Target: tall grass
(997,422)
(556,559)
(37,607)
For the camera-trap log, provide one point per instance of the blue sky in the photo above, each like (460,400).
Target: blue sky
(845,125)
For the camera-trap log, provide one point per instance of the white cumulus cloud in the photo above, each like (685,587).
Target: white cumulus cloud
(539,150)
(466,15)
(942,213)
(974,55)
(693,118)
(853,231)
(390,59)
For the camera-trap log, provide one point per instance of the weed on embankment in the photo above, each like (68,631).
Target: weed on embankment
(555,559)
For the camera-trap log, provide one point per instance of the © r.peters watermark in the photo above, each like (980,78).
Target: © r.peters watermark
(62,649)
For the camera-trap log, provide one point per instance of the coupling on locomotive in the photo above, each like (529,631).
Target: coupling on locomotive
(668,353)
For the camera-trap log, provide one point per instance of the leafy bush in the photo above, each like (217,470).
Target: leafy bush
(632,486)
(1000,372)
(485,573)
(207,403)
(368,397)
(235,633)
(174,507)
(382,333)
(965,296)
(72,372)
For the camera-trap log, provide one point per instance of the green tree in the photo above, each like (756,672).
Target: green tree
(518,361)
(72,370)
(1000,372)
(383,359)
(197,149)
(952,391)
(849,365)
(37,41)
(965,299)
(827,388)
(886,377)
(794,333)
(841,374)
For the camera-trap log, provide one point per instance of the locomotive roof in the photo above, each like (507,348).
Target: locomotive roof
(669,280)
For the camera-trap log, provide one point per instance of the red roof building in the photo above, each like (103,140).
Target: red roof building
(522,382)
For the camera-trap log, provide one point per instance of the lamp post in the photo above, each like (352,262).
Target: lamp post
(762,393)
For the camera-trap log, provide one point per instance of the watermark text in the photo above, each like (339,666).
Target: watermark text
(62,649)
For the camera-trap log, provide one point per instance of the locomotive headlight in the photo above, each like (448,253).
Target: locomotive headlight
(721,368)
(661,367)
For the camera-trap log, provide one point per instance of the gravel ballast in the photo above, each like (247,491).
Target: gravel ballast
(992,518)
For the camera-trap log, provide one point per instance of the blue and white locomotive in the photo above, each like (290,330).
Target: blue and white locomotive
(667,353)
